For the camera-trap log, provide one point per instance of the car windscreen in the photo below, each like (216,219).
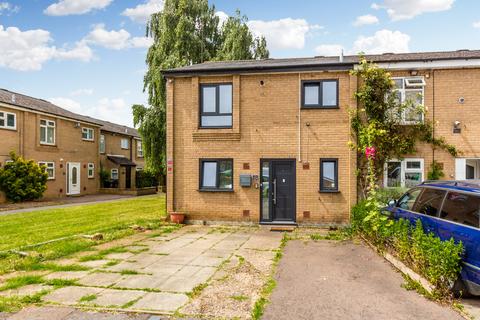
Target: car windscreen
(429,202)
(461,208)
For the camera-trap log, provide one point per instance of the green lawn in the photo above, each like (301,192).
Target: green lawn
(22,229)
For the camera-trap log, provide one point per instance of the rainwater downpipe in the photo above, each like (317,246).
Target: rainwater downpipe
(299,118)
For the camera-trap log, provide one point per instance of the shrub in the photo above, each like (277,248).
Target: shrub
(22,180)
(383,196)
(435,172)
(146,178)
(438,261)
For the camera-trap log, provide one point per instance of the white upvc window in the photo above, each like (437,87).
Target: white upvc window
(8,120)
(102,143)
(47,131)
(411,90)
(91,170)
(139,149)
(87,134)
(403,173)
(124,143)
(114,174)
(49,168)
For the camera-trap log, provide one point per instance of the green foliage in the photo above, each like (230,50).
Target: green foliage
(378,122)
(435,172)
(23,180)
(146,178)
(185,32)
(438,261)
(103,175)
(384,195)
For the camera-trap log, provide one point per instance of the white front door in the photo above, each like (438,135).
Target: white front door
(73,178)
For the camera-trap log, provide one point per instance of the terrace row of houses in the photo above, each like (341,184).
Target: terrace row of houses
(267,140)
(73,147)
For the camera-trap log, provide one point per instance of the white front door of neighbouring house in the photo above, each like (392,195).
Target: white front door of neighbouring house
(73,178)
(467,169)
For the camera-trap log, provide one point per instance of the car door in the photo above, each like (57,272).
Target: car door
(428,206)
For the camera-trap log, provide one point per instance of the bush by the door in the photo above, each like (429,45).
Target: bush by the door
(22,180)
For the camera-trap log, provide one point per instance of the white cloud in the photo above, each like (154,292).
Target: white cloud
(285,33)
(382,41)
(67,103)
(222,17)
(365,20)
(476,24)
(8,8)
(407,9)
(75,7)
(29,50)
(82,92)
(116,40)
(329,49)
(142,12)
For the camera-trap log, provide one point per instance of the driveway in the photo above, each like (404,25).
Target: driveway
(343,280)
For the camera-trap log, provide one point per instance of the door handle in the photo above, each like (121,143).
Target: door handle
(274,191)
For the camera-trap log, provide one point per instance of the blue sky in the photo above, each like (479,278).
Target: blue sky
(88,55)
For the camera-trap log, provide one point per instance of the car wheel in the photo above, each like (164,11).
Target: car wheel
(459,289)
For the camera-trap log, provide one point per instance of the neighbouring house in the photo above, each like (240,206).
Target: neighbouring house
(121,154)
(68,144)
(267,140)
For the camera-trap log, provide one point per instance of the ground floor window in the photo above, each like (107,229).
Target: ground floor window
(49,168)
(328,175)
(114,174)
(216,174)
(91,170)
(403,173)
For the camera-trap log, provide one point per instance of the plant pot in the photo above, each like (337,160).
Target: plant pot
(176,217)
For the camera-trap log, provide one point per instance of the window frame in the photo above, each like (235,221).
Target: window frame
(217,105)
(406,87)
(323,189)
(46,163)
(121,144)
(91,166)
(217,180)
(111,174)
(46,126)
(87,130)
(5,120)
(102,141)
(139,149)
(404,170)
(320,94)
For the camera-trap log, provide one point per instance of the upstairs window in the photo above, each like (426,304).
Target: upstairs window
(47,132)
(328,175)
(87,134)
(320,94)
(216,105)
(139,149)
(49,168)
(124,143)
(102,143)
(410,91)
(8,120)
(216,175)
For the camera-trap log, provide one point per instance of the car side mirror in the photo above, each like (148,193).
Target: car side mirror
(392,203)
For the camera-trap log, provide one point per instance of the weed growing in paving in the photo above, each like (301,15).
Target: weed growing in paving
(17,282)
(197,290)
(59,283)
(88,298)
(128,272)
(240,298)
(15,303)
(112,263)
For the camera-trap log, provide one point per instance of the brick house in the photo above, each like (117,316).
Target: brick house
(266,140)
(68,144)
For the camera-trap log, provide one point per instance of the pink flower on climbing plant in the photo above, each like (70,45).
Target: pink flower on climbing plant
(370,152)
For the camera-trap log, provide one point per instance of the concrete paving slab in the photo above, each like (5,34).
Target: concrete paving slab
(70,295)
(100,279)
(136,248)
(162,269)
(207,261)
(42,313)
(27,290)
(125,265)
(67,275)
(116,298)
(161,301)
(264,240)
(94,263)
(140,281)
(180,284)
(119,256)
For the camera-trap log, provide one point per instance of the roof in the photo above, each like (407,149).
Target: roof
(121,161)
(118,128)
(315,63)
(40,105)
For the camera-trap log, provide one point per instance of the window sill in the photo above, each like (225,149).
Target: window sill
(215,190)
(329,191)
(47,144)
(10,129)
(88,140)
(320,107)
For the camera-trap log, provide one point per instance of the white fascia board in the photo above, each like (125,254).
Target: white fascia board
(435,64)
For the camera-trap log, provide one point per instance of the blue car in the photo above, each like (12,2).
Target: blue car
(448,209)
